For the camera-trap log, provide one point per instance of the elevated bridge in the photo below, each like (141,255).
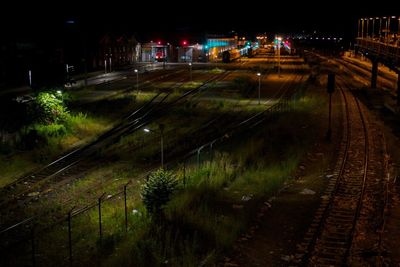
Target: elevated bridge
(378,39)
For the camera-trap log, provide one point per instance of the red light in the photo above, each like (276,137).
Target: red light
(184,42)
(159,42)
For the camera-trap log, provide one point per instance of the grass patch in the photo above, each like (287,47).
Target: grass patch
(216,71)
(221,197)
(50,141)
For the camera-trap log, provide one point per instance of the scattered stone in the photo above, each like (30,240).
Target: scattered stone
(230,264)
(302,167)
(271,252)
(329,176)
(287,258)
(266,203)
(307,191)
(109,196)
(25,183)
(247,197)
(48,190)
(33,194)
(226,188)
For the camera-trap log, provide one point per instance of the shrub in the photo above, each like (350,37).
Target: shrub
(157,190)
(48,108)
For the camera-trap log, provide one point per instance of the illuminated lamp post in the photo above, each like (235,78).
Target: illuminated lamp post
(190,68)
(137,80)
(259,86)
(161,131)
(279,55)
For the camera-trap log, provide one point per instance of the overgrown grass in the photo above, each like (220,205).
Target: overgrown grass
(53,139)
(217,70)
(213,207)
(221,197)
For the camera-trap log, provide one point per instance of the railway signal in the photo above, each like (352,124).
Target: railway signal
(330,89)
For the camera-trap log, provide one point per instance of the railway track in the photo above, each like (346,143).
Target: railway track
(18,194)
(251,120)
(330,239)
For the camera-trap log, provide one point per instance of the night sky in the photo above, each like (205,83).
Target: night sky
(38,20)
(35,35)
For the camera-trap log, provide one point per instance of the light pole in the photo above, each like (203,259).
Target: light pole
(161,130)
(30,78)
(61,94)
(362,28)
(190,67)
(259,86)
(137,79)
(110,62)
(279,55)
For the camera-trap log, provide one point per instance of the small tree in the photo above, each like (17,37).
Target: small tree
(157,190)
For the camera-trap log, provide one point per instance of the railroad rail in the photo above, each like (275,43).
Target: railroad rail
(329,240)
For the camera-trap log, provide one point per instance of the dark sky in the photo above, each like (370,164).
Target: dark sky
(37,20)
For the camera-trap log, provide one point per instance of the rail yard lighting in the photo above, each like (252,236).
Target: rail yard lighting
(137,80)
(190,67)
(161,132)
(259,86)
(279,55)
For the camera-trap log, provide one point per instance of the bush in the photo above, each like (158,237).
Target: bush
(48,108)
(157,190)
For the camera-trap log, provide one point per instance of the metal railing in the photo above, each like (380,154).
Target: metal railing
(379,48)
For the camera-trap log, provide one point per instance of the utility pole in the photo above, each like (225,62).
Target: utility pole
(161,127)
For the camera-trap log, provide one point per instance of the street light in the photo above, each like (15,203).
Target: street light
(259,86)
(190,67)
(137,80)
(61,94)
(279,55)
(161,131)
(30,78)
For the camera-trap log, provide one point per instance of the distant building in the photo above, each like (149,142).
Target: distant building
(209,48)
(156,52)
(116,52)
(217,44)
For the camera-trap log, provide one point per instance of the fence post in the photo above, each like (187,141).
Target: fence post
(211,152)
(184,172)
(126,208)
(198,157)
(33,245)
(100,230)
(69,218)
